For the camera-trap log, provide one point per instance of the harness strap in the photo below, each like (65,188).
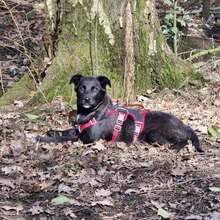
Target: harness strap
(139,125)
(122,116)
(123,113)
(137,130)
(88,124)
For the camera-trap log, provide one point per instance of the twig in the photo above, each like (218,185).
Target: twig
(19,45)
(16,24)
(187,52)
(37,86)
(175,27)
(1,78)
(204,52)
(90,47)
(23,52)
(96,41)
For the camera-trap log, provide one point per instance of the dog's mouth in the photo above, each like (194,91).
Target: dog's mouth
(86,106)
(90,106)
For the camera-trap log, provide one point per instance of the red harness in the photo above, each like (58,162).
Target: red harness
(138,115)
(88,124)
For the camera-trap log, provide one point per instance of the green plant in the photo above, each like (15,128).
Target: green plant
(174,21)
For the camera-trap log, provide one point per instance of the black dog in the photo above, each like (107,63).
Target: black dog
(97,118)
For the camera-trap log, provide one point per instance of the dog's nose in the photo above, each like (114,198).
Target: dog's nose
(87,99)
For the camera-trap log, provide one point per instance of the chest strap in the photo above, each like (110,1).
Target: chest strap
(82,127)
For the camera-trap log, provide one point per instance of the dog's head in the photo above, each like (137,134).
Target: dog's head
(90,91)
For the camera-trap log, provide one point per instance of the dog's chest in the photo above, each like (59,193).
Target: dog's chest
(115,124)
(102,129)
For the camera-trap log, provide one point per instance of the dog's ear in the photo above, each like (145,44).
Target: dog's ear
(104,81)
(75,79)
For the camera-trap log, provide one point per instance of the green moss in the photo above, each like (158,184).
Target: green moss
(73,57)
(20,90)
(142,69)
(109,61)
(80,34)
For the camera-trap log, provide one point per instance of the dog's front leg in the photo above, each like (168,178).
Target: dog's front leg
(54,136)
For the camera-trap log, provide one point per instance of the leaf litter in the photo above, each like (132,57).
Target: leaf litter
(111,181)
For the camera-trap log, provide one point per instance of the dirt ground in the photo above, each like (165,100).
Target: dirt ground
(101,180)
(110,181)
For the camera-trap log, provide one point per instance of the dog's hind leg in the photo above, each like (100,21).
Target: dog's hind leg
(194,138)
(178,146)
(155,137)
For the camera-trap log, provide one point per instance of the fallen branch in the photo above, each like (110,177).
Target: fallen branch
(1,81)
(204,52)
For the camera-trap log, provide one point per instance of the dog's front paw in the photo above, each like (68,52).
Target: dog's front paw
(40,139)
(52,133)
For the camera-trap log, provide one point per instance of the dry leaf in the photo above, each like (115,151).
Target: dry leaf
(105,202)
(7,182)
(178,171)
(130,191)
(16,208)
(36,209)
(17,147)
(64,188)
(99,146)
(102,193)
(68,212)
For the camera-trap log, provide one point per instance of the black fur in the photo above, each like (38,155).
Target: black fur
(92,101)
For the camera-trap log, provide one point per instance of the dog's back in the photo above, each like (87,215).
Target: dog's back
(162,128)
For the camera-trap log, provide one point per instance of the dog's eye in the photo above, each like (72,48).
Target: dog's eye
(94,88)
(81,89)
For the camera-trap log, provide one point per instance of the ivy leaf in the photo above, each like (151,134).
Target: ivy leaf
(163,213)
(174,30)
(60,200)
(182,22)
(214,189)
(186,17)
(214,132)
(31,14)
(169,16)
(168,2)
(31,116)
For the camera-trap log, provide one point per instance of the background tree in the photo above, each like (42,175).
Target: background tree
(121,39)
(206,9)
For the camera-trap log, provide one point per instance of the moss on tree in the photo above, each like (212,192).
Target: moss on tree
(90,43)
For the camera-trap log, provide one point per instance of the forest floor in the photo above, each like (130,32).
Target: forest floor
(110,181)
(101,180)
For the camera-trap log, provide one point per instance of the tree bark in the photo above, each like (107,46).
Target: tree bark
(128,53)
(206,9)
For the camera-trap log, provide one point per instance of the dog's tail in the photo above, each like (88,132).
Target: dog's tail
(194,139)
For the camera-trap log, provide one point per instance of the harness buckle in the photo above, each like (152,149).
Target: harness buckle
(78,128)
(117,127)
(93,121)
(138,127)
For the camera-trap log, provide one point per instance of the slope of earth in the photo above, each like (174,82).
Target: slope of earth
(106,181)
(21,39)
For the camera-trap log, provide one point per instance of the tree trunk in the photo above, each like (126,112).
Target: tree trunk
(206,9)
(128,53)
(118,38)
